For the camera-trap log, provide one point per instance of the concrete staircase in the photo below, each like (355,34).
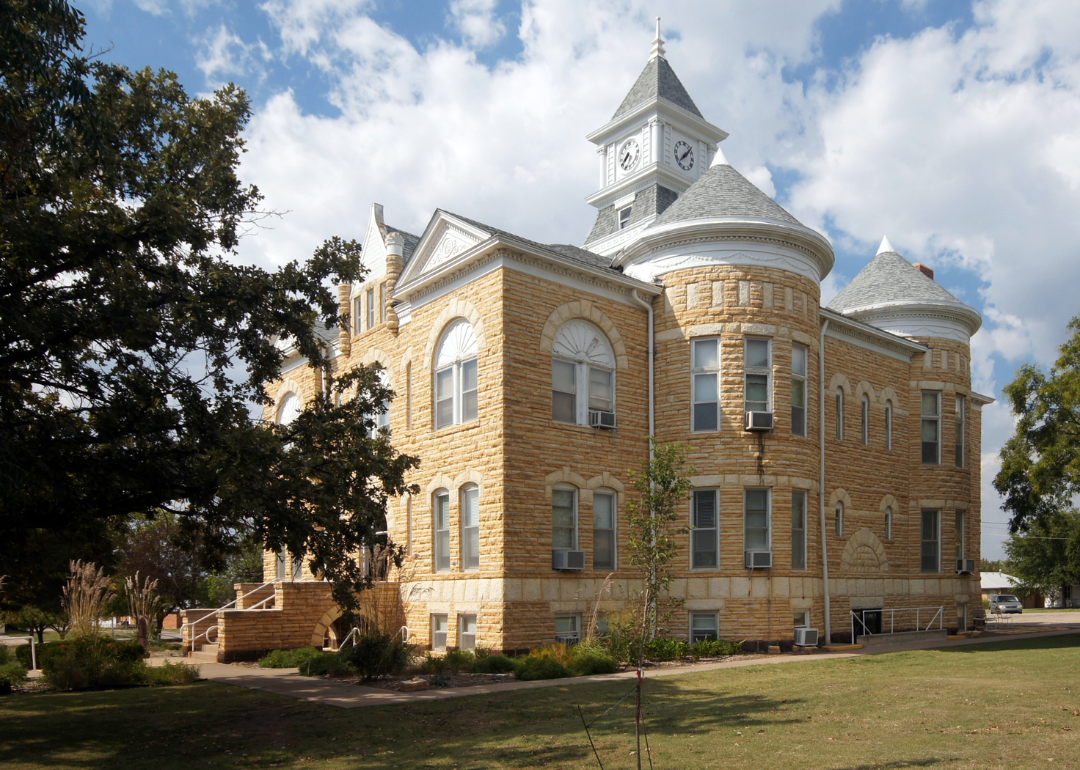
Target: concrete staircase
(206,653)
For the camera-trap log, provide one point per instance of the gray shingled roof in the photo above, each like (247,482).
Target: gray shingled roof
(657,81)
(724,192)
(563,250)
(410,242)
(890,279)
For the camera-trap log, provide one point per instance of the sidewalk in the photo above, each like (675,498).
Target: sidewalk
(287,681)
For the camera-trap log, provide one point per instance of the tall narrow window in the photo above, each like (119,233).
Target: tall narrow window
(582,375)
(961,420)
(358,315)
(624,217)
(888,424)
(470,527)
(382,302)
(704,545)
(758,372)
(756,520)
(839,414)
(603,530)
(438,632)
(705,355)
(564,519)
(456,375)
(960,538)
(839,523)
(798,390)
(408,396)
(370,309)
(798,529)
(888,523)
(381,420)
(931,428)
(441,515)
(466,632)
(865,419)
(931,541)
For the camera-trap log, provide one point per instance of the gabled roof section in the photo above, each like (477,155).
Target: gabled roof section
(890,279)
(575,253)
(657,81)
(722,192)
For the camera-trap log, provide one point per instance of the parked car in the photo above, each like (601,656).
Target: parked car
(1005,603)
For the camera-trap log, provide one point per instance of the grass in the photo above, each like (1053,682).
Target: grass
(1001,705)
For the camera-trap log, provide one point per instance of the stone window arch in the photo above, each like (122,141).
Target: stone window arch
(456,387)
(582,373)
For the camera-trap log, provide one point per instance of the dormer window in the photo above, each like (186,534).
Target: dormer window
(624,217)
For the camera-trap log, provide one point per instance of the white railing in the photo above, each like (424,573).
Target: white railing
(205,633)
(33,650)
(936,615)
(354,634)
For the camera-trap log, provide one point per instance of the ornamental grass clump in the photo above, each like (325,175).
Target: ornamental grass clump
(85,596)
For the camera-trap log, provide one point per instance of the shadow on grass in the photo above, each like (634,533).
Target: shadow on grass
(900,763)
(1069,641)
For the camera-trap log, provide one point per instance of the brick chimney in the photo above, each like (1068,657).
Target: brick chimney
(928,272)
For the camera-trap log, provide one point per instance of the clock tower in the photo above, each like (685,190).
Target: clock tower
(656,145)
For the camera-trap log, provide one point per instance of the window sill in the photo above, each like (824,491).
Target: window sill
(458,428)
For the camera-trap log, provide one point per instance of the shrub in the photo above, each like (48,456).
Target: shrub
(557,651)
(377,655)
(93,661)
(456,660)
(714,648)
(327,663)
(492,664)
(663,648)
(294,658)
(592,659)
(12,674)
(431,664)
(439,680)
(43,652)
(529,668)
(170,673)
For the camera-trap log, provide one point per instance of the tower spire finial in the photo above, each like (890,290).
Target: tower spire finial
(657,44)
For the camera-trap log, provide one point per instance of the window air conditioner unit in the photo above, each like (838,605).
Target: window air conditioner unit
(806,637)
(757,559)
(601,419)
(759,421)
(965,566)
(568,560)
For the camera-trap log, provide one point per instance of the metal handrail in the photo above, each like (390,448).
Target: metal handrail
(937,616)
(33,650)
(355,632)
(206,632)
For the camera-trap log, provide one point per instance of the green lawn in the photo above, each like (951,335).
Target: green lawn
(1003,705)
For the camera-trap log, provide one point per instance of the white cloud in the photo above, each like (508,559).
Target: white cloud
(223,54)
(303,23)
(477,22)
(155,7)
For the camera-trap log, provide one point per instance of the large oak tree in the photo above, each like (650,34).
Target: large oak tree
(133,343)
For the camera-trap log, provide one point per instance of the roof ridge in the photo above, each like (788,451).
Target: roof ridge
(723,192)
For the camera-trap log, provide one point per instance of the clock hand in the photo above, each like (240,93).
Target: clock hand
(683,156)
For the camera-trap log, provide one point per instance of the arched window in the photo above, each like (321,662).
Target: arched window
(289,409)
(582,374)
(839,414)
(456,375)
(382,417)
(865,417)
(440,504)
(470,527)
(888,523)
(839,519)
(888,424)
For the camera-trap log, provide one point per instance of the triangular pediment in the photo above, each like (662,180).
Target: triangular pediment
(445,238)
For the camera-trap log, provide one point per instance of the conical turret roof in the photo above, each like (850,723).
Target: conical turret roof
(657,81)
(724,192)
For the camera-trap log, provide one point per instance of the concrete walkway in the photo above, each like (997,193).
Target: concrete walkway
(288,681)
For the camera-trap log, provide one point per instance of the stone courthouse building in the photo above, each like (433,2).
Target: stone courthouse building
(836,449)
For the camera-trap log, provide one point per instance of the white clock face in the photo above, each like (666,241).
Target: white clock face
(628,154)
(684,155)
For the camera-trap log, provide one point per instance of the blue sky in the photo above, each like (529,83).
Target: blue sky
(953,127)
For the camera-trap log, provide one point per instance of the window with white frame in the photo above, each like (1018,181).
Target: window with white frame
(381,420)
(704,532)
(704,626)
(705,363)
(798,529)
(931,541)
(624,217)
(567,629)
(604,530)
(456,375)
(801,618)
(839,414)
(865,419)
(470,527)
(888,424)
(382,302)
(798,390)
(931,427)
(358,314)
(839,522)
(564,519)
(440,503)
(888,522)
(370,309)
(439,626)
(582,373)
(289,409)
(466,632)
(758,375)
(756,520)
(961,420)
